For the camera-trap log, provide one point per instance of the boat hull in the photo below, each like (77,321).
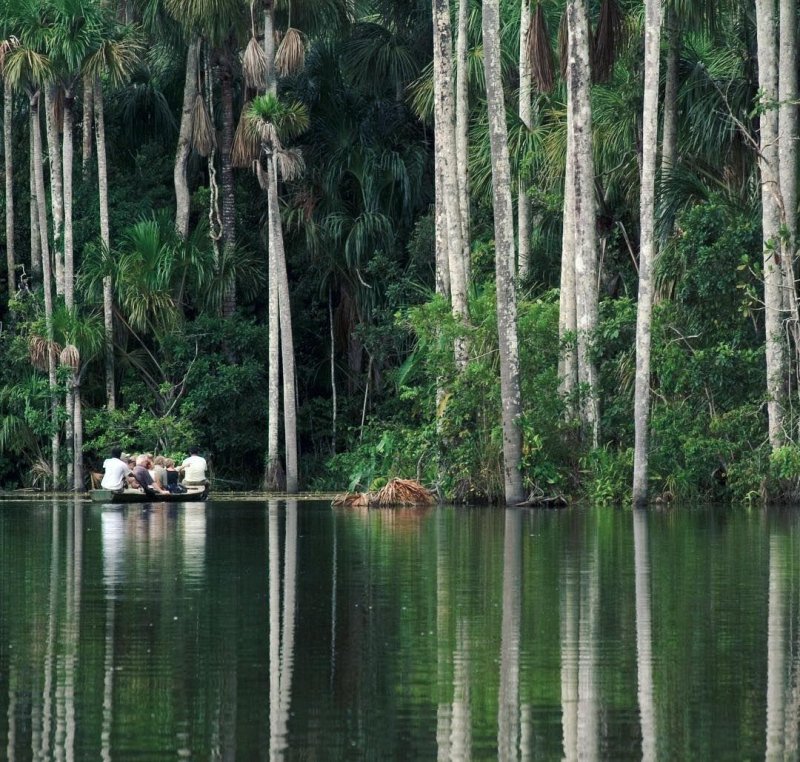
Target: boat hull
(193,495)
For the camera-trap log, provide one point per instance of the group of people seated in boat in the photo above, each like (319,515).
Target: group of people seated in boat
(158,476)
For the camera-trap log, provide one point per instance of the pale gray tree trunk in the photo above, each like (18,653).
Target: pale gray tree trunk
(647,248)
(269,45)
(47,277)
(88,121)
(462,130)
(567,310)
(56,188)
(787,163)
(8,109)
(770,220)
(442,274)
(585,241)
(510,395)
(36,239)
(444,121)
(77,402)
(287,341)
(644,635)
(525,89)
(68,149)
(182,197)
(105,238)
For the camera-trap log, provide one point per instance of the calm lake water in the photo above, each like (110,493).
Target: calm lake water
(290,630)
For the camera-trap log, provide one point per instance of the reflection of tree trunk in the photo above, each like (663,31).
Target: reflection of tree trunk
(75,562)
(11,738)
(461,730)
(587,661)
(289,597)
(508,727)
(569,662)
(776,645)
(47,708)
(644,636)
(444,709)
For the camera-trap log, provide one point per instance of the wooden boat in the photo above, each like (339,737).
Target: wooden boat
(192,495)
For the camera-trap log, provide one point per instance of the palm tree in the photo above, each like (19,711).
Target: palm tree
(510,394)
(644,308)
(275,122)
(8,112)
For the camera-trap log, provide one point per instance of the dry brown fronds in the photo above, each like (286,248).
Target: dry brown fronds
(402,492)
(70,357)
(203,136)
(352,500)
(540,52)
(246,142)
(290,163)
(38,348)
(607,40)
(254,65)
(291,54)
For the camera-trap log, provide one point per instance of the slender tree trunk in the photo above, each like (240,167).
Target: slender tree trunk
(105,238)
(228,188)
(770,220)
(79,484)
(182,196)
(669,139)
(287,341)
(567,314)
(68,156)
(46,278)
(269,45)
(787,164)
(462,130)
(525,88)
(88,120)
(444,120)
(647,251)
(333,371)
(36,239)
(442,275)
(56,188)
(8,108)
(510,395)
(586,297)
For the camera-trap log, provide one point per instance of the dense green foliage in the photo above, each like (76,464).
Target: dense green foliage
(360,246)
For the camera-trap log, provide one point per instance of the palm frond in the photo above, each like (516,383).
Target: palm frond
(246,140)
(291,53)
(255,66)
(540,52)
(607,40)
(203,135)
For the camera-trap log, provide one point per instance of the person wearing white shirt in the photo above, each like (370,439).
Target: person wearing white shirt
(115,472)
(194,468)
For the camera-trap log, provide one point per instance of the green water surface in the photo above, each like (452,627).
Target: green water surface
(291,630)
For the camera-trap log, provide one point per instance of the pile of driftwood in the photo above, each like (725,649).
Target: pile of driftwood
(396,492)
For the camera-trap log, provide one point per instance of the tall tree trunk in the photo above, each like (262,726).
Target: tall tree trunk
(567,312)
(56,188)
(586,296)
(333,371)
(462,130)
(105,238)
(36,238)
(8,108)
(525,88)
(444,121)
(510,395)
(228,188)
(88,120)
(770,220)
(669,139)
(269,45)
(68,155)
(79,484)
(182,197)
(647,249)
(287,341)
(787,165)
(46,277)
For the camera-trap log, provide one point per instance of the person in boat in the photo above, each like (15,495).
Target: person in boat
(115,472)
(159,472)
(173,476)
(131,478)
(194,469)
(142,474)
